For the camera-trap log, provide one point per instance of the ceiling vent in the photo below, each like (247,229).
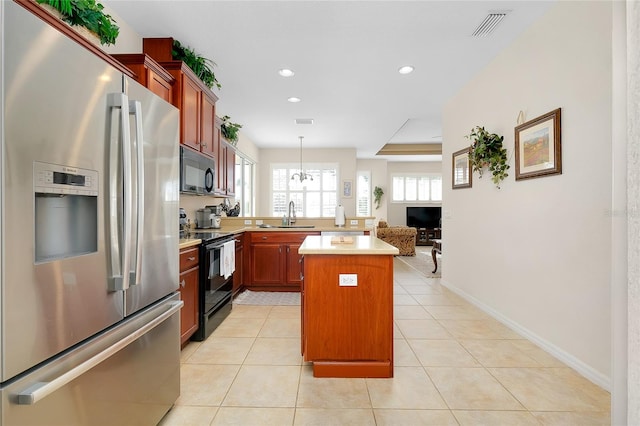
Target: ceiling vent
(489,24)
(304,120)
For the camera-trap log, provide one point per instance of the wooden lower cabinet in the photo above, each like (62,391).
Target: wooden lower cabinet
(274,262)
(189,275)
(238,275)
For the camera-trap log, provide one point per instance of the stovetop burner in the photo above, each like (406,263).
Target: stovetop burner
(206,236)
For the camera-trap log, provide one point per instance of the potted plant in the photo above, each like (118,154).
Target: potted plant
(88,14)
(377,196)
(487,151)
(230,130)
(202,67)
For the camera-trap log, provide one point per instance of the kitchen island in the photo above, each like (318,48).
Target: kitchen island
(347,306)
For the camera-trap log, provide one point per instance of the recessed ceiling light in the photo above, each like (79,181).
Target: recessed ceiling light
(405,69)
(286,72)
(293,99)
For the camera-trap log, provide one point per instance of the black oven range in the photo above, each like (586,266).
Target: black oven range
(214,293)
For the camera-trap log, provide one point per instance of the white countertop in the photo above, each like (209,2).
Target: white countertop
(362,244)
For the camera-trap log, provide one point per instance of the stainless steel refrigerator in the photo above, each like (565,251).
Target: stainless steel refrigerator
(89,195)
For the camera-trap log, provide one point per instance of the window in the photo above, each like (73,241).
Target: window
(363,194)
(244,185)
(416,188)
(316,198)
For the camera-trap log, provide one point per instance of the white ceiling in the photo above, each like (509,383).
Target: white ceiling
(346,56)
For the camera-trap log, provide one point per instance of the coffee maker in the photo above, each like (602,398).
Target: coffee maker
(205,218)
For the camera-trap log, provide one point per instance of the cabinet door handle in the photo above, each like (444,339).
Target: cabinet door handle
(204,145)
(288,249)
(264,238)
(192,258)
(182,283)
(280,249)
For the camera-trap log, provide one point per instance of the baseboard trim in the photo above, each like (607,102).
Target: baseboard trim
(571,361)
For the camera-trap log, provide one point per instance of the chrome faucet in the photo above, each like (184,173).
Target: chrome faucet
(291,216)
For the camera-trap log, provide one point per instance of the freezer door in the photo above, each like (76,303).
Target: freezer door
(55,112)
(156,179)
(129,375)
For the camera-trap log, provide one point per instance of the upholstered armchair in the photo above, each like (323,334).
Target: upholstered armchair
(402,237)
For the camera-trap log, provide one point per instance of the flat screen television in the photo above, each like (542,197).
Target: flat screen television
(424,217)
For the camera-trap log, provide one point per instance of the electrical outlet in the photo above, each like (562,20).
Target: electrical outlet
(348,280)
(248,222)
(354,222)
(259,222)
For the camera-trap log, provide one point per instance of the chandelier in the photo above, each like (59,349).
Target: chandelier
(301,176)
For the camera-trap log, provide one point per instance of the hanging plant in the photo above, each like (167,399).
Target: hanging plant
(230,130)
(87,14)
(487,151)
(377,196)
(202,67)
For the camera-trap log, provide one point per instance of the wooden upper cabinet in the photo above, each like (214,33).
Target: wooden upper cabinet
(160,86)
(195,101)
(207,140)
(190,101)
(149,73)
(230,171)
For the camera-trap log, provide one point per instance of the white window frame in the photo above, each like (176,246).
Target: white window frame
(245,193)
(363,194)
(301,207)
(406,198)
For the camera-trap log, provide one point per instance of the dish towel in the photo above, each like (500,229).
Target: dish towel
(228,259)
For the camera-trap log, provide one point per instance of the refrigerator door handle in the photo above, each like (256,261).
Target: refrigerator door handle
(40,390)
(120,260)
(135,108)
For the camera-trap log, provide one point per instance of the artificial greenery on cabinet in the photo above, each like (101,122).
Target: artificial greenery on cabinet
(88,14)
(487,151)
(201,66)
(230,130)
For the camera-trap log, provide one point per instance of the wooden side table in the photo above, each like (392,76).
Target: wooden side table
(436,248)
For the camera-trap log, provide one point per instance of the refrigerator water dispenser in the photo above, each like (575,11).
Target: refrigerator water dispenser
(66,211)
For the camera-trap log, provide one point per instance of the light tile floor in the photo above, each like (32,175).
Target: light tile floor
(454,365)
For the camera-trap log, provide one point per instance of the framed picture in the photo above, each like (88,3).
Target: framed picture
(347,188)
(537,147)
(461,169)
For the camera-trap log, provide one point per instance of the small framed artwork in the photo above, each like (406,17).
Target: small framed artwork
(347,188)
(461,169)
(537,146)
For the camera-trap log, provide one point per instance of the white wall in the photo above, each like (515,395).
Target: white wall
(397,212)
(345,158)
(535,253)
(633,206)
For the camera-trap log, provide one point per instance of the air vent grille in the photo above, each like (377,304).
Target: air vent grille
(489,24)
(304,120)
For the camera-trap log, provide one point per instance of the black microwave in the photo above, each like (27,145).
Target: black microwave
(197,172)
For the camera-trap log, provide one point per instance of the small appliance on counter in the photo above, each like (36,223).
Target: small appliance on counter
(183,218)
(205,218)
(217,212)
(340,216)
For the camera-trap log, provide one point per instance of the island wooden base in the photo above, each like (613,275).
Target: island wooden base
(347,330)
(353,369)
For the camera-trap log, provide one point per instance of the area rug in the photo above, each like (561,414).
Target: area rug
(267,298)
(422,262)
